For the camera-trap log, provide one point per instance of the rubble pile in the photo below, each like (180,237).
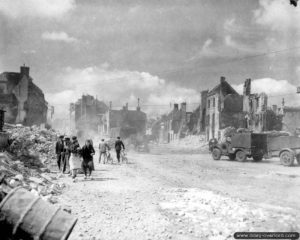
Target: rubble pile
(191,142)
(33,143)
(28,159)
(14,174)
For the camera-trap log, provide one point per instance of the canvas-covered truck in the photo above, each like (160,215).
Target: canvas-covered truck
(257,146)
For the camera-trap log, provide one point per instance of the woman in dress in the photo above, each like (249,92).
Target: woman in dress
(75,159)
(87,155)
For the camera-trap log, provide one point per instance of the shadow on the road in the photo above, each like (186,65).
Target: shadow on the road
(247,161)
(97,179)
(268,161)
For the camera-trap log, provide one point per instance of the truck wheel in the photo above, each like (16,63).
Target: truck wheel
(216,154)
(287,158)
(298,159)
(240,156)
(257,158)
(231,156)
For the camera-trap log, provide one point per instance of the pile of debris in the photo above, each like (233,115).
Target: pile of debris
(191,142)
(28,159)
(33,142)
(14,174)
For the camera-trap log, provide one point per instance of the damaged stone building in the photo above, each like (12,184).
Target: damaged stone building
(174,125)
(23,101)
(88,110)
(290,118)
(124,122)
(224,108)
(255,107)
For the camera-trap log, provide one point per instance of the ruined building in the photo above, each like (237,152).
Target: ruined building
(224,108)
(202,111)
(174,125)
(123,122)
(23,101)
(255,107)
(88,111)
(290,118)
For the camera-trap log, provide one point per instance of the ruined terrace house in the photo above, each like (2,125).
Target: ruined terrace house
(88,111)
(23,101)
(224,108)
(255,109)
(174,125)
(290,118)
(124,122)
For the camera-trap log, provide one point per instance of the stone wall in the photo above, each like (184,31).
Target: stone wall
(35,106)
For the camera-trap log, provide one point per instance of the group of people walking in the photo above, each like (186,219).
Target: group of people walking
(71,157)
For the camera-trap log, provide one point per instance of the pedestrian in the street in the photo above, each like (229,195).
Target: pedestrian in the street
(59,150)
(67,155)
(93,166)
(103,148)
(75,159)
(87,152)
(119,145)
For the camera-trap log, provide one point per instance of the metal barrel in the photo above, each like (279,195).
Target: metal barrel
(26,216)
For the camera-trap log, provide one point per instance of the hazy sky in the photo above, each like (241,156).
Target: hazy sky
(159,50)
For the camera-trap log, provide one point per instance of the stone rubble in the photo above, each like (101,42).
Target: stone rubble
(28,161)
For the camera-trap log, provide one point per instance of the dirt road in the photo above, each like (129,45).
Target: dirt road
(180,196)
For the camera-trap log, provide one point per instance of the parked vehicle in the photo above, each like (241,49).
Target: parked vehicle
(286,147)
(257,146)
(240,146)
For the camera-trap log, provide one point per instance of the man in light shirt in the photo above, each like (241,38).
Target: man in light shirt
(103,148)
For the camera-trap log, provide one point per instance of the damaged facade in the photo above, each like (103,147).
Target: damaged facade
(255,107)
(123,122)
(174,125)
(23,101)
(290,118)
(87,110)
(224,108)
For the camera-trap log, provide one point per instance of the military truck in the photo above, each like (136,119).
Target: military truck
(257,146)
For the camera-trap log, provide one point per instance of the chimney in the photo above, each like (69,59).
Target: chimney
(247,87)
(138,106)
(204,98)
(176,106)
(283,103)
(183,107)
(110,105)
(222,79)
(24,70)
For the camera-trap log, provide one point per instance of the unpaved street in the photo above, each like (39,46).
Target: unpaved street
(182,196)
